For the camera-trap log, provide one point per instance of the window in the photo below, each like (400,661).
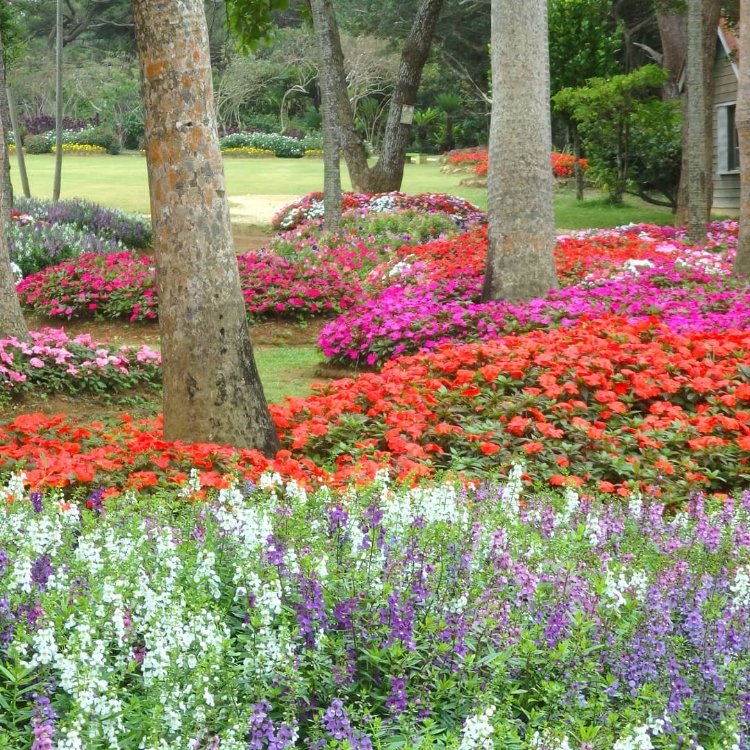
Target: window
(728,144)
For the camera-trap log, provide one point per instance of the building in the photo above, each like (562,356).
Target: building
(726,167)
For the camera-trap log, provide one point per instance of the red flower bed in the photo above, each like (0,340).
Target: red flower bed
(606,402)
(627,405)
(562,163)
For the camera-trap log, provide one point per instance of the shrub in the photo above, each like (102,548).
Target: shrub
(281,145)
(310,207)
(129,229)
(37,144)
(36,246)
(100,135)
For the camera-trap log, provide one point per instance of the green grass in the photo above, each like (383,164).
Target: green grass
(287,370)
(121,182)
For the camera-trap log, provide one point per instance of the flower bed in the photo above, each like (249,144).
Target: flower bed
(302,272)
(310,207)
(131,230)
(449,615)
(612,404)
(435,289)
(621,403)
(478,161)
(55,363)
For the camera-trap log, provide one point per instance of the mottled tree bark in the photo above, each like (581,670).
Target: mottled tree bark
(212,391)
(5,116)
(324,23)
(12,322)
(520,263)
(742,121)
(711,10)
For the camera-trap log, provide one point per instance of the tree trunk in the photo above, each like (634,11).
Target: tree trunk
(387,174)
(20,158)
(324,22)
(520,263)
(711,12)
(57,182)
(673,34)
(577,170)
(12,322)
(741,265)
(696,108)
(212,391)
(5,116)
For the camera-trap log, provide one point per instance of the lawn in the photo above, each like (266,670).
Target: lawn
(120,182)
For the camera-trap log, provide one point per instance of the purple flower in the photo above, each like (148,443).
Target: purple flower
(36,501)
(43,724)
(41,570)
(397,699)
(95,500)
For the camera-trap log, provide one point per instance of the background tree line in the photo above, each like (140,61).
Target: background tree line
(276,87)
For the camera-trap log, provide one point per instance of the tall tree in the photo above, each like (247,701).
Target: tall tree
(584,40)
(212,391)
(699,170)
(12,322)
(57,181)
(388,172)
(673,34)
(331,59)
(520,263)
(742,121)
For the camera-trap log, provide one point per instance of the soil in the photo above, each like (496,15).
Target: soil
(247,236)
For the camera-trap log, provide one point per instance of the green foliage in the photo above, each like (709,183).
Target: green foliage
(101,135)
(38,144)
(583,41)
(252,20)
(627,132)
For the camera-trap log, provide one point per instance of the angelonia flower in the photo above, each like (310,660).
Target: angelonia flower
(478,730)
(43,723)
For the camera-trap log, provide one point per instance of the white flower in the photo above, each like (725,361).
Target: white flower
(616,585)
(638,739)
(512,490)
(477,731)
(633,265)
(740,587)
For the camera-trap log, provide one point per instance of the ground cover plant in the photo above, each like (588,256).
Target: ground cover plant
(430,294)
(452,616)
(52,362)
(301,272)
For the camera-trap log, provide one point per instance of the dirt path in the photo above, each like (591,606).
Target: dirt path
(256,209)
